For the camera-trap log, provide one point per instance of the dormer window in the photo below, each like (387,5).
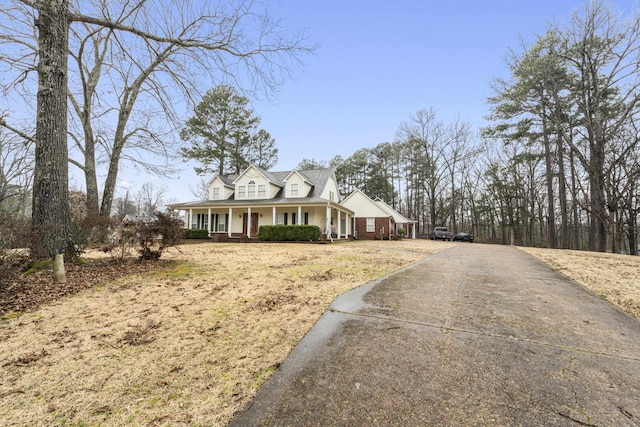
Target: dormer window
(251,193)
(216,193)
(241,192)
(262,191)
(294,190)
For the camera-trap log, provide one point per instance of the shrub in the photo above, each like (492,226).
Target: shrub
(289,233)
(87,230)
(196,234)
(162,231)
(220,237)
(14,232)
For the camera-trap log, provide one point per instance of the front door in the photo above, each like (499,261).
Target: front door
(254,224)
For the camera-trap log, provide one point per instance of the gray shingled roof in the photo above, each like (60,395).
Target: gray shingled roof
(272,176)
(258,202)
(316,177)
(228,180)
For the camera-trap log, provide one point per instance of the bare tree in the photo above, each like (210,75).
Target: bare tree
(603,52)
(123,206)
(201,190)
(429,140)
(461,149)
(150,198)
(148,52)
(16,173)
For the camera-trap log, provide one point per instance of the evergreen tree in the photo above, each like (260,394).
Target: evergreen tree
(223,134)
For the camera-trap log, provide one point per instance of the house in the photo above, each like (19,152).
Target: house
(238,204)
(374,219)
(408,225)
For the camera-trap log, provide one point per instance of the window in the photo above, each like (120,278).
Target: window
(262,191)
(371,225)
(306,218)
(294,190)
(251,193)
(331,195)
(293,218)
(201,221)
(222,222)
(282,218)
(216,193)
(241,192)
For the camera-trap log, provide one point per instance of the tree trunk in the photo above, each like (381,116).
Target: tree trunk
(91,179)
(51,216)
(633,241)
(597,229)
(562,196)
(110,183)
(454,224)
(119,141)
(632,220)
(562,178)
(574,207)
(551,219)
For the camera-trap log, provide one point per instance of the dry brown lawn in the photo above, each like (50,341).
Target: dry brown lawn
(614,277)
(191,345)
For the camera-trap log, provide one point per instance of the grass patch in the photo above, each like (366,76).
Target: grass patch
(188,345)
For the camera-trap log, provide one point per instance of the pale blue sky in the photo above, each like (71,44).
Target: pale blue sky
(380,61)
(377,62)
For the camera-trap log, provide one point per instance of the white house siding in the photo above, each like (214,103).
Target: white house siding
(225,190)
(363,206)
(303,186)
(273,190)
(331,187)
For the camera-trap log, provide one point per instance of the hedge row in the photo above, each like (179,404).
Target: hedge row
(289,233)
(195,233)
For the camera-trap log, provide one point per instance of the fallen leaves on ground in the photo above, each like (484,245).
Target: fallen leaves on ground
(21,292)
(187,341)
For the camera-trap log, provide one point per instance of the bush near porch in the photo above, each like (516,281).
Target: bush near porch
(196,234)
(289,233)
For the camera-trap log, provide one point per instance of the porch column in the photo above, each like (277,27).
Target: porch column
(328,229)
(300,219)
(230,221)
(249,221)
(190,218)
(209,223)
(273,219)
(413,230)
(339,225)
(346,223)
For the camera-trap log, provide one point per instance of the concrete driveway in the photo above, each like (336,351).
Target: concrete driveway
(475,335)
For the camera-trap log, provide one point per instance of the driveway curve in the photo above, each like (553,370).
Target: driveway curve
(474,335)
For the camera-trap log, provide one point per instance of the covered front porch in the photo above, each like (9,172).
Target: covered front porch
(243,221)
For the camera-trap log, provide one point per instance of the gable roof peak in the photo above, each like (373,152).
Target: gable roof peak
(227,180)
(269,176)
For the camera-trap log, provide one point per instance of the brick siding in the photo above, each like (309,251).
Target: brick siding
(381,223)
